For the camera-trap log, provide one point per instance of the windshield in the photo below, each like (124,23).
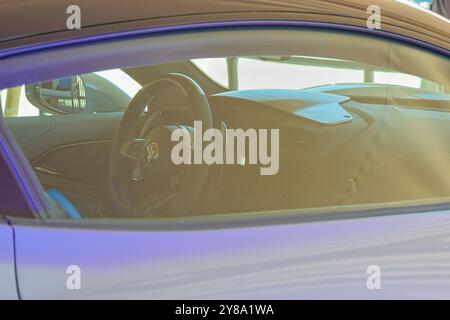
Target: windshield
(301,72)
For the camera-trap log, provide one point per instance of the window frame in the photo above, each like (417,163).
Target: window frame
(35,193)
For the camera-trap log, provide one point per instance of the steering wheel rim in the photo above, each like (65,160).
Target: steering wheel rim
(182,201)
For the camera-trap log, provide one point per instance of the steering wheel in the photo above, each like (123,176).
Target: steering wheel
(143,178)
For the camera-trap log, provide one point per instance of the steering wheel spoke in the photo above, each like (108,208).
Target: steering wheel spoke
(131,148)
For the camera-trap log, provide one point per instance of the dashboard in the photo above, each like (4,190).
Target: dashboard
(338,145)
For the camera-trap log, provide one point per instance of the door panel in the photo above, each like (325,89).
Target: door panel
(70,153)
(38,135)
(8,288)
(310,260)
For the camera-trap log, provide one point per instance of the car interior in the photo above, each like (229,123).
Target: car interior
(345,143)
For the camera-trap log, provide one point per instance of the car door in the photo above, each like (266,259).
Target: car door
(286,256)
(8,290)
(277,254)
(226,260)
(15,192)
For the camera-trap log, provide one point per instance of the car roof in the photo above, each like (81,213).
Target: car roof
(30,22)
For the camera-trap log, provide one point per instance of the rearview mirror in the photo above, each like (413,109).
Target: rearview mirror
(87,93)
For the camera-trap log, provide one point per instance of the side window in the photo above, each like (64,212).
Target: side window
(103,91)
(315,126)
